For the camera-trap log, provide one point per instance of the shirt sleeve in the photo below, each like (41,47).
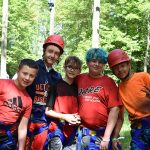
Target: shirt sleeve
(27,111)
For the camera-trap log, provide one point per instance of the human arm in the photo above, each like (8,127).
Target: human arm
(117,129)
(22,133)
(146,89)
(70,118)
(112,119)
(54,103)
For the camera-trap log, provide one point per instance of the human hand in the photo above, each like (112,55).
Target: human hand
(146,89)
(78,119)
(104,145)
(72,119)
(115,145)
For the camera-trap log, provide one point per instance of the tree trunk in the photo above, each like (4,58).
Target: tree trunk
(148,46)
(4,39)
(52,15)
(95,24)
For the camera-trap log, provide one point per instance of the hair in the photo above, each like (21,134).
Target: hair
(74,60)
(28,62)
(96,53)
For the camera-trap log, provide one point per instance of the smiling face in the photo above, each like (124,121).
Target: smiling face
(51,55)
(122,70)
(71,71)
(96,68)
(25,76)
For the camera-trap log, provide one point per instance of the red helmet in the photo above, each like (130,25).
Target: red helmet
(117,56)
(56,40)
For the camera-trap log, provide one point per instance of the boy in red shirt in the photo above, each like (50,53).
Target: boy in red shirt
(15,105)
(98,103)
(63,107)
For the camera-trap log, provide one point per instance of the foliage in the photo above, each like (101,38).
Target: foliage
(123,24)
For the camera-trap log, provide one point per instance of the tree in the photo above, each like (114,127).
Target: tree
(4,38)
(95,23)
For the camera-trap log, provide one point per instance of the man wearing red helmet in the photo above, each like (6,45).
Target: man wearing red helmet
(134,90)
(53,47)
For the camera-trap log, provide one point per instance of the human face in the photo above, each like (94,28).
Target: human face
(71,71)
(122,70)
(51,55)
(95,68)
(25,76)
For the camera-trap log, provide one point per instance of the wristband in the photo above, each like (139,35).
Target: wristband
(105,140)
(115,139)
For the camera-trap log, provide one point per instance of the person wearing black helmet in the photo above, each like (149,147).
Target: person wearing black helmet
(53,48)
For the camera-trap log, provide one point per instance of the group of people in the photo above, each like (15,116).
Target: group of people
(40,110)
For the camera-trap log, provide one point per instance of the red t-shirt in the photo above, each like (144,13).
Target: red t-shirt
(63,99)
(96,96)
(13,102)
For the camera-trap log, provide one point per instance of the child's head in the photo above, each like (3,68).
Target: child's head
(26,73)
(119,63)
(28,62)
(97,54)
(72,67)
(73,62)
(116,57)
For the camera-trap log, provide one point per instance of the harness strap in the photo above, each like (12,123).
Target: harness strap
(135,140)
(145,122)
(92,133)
(138,126)
(58,132)
(11,139)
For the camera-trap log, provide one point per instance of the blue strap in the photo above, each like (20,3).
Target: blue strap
(58,132)
(135,139)
(4,145)
(11,140)
(40,130)
(71,137)
(145,122)
(92,145)
(79,138)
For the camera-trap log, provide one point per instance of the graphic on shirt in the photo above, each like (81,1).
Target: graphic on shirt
(91,89)
(15,104)
(41,93)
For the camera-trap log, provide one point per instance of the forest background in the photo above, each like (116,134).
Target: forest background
(124,24)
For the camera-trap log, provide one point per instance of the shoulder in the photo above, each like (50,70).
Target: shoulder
(41,64)
(81,76)
(106,78)
(55,74)
(141,75)
(6,82)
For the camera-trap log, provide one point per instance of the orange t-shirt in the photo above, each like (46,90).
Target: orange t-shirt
(13,102)
(134,99)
